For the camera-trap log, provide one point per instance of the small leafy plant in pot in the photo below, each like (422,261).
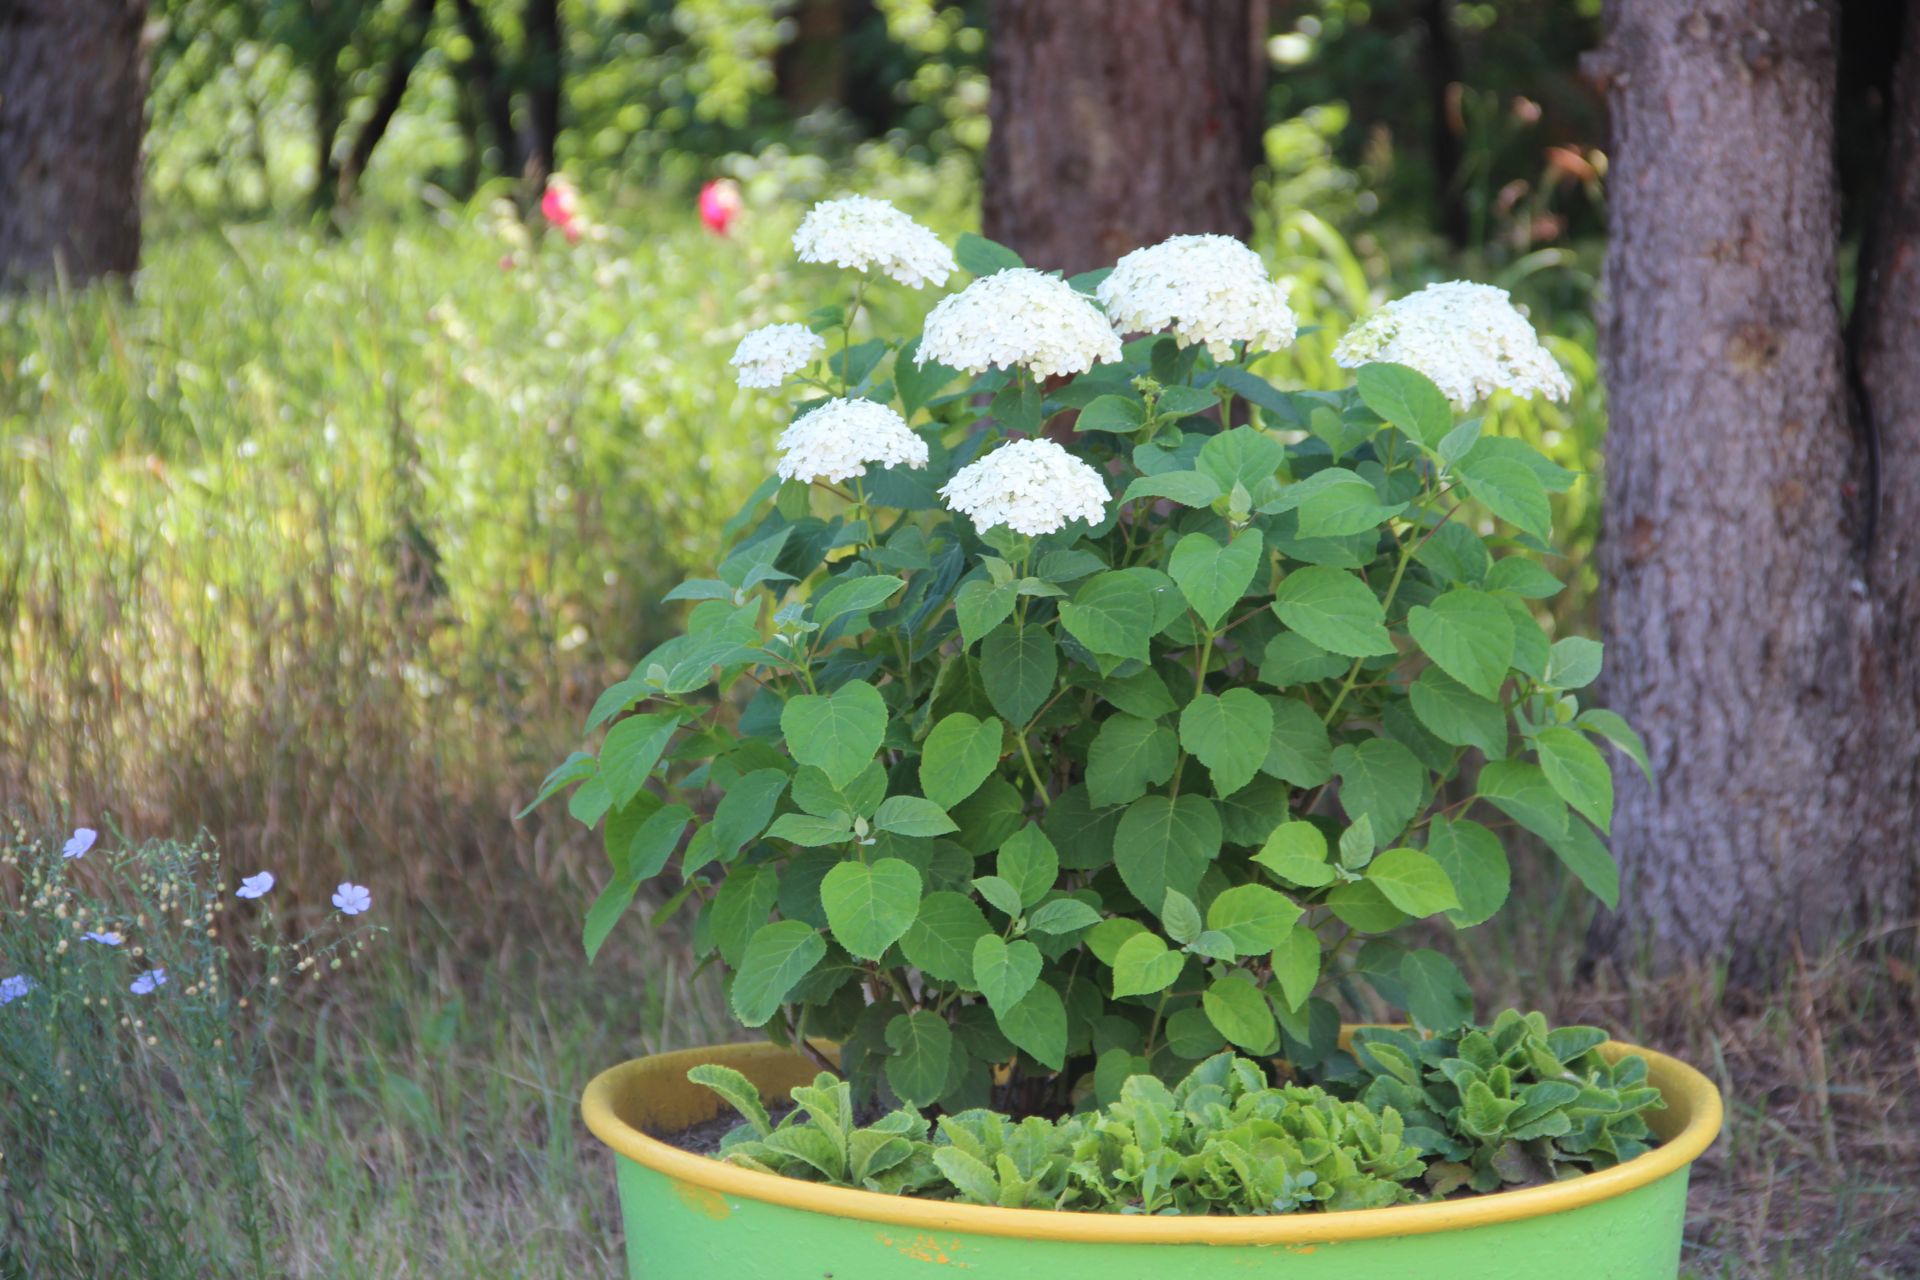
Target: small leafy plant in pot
(1073,716)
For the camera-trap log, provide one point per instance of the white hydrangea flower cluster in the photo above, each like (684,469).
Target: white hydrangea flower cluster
(1032,486)
(1019,317)
(868,234)
(1211,290)
(838,440)
(1468,338)
(770,355)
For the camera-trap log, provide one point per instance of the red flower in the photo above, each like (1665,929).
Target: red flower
(720,204)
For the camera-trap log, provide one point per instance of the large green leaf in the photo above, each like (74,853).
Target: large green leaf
(779,955)
(1164,843)
(837,733)
(981,605)
(1005,971)
(1144,965)
(1237,1009)
(645,853)
(1241,456)
(1475,862)
(912,816)
(1334,610)
(1299,751)
(740,906)
(1254,917)
(1611,726)
(1469,634)
(1522,792)
(1230,733)
(1362,905)
(869,906)
(1111,613)
(1413,882)
(1573,662)
(1578,772)
(854,595)
(1437,996)
(1383,781)
(1038,1024)
(941,938)
(1297,852)
(958,755)
(1029,862)
(1341,505)
(632,748)
(1213,577)
(1127,756)
(745,809)
(1018,665)
(1456,714)
(1588,858)
(1406,398)
(921,1045)
(1511,490)
(1296,965)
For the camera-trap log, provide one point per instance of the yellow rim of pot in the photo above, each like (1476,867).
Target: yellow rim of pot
(658,1086)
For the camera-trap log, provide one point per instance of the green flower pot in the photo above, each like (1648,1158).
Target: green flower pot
(689,1217)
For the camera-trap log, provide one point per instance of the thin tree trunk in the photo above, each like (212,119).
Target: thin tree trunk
(413,44)
(73,90)
(1745,637)
(543,90)
(483,70)
(1117,123)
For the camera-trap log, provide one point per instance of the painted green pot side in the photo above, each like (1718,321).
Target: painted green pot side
(688,1217)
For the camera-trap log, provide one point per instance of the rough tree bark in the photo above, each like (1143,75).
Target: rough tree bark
(1759,616)
(1117,123)
(73,91)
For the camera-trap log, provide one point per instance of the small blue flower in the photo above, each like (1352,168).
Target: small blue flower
(107,938)
(149,982)
(79,842)
(352,898)
(15,988)
(255,886)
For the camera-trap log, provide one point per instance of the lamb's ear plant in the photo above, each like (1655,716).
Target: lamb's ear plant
(1087,707)
(1515,1103)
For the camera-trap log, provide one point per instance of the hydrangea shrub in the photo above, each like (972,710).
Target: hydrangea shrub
(1076,703)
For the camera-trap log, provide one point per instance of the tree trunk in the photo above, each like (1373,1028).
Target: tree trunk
(1749,637)
(483,70)
(73,91)
(543,90)
(1118,123)
(413,44)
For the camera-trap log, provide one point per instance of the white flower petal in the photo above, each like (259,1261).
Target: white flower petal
(770,355)
(1468,338)
(1019,317)
(865,234)
(1207,289)
(1032,486)
(838,440)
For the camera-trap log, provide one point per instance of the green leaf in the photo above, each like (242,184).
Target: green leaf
(999,892)
(779,955)
(1029,862)
(1165,843)
(1296,965)
(1578,772)
(646,853)
(1237,1009)
(1584,855)
(1475,862)
(744,810)
(1018,666)
(811,832)
(837,733)
(1334,610)
(1362,905)
(1127,756)
(1261,392)
(1292,659)
(1106,938)
(1142,694)
(969,1174)
(1241,456)
(1230,733)
(1121,414)
(1356,844)
(980,606)
(1523,577)
(1458,715)
(1522,792)
(577,767)
(958,755)
(855,595)
(1254,917)
(1005,971)
(1382,780)
(912,816)
(817,794)
(1437,996)
(1406,398)
(1611,726)
(738,1091)
(740,907)
(1144,965)
(1297,852)
(869,906)
(1298,751)
(633,746)
(1061,916)
(1341,505)
(917,1068)
(1511,491)
(1188,488)
(1181,917)
(1111,613)
(1469,634)
(940,940)
(980,256)
(918,383)
(1573,663)
(1413,882)
(1213,577)
(1038,1024)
